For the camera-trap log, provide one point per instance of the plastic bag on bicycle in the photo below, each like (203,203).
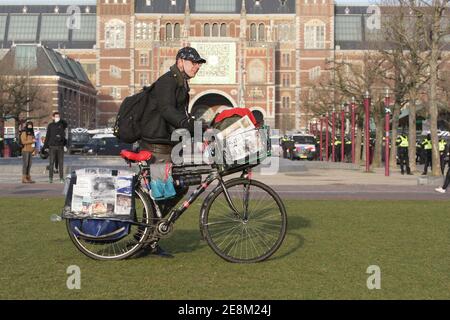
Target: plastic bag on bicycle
(161,184)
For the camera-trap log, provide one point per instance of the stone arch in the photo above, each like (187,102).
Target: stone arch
(208,103)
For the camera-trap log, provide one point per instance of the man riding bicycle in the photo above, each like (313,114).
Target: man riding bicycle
(168,111)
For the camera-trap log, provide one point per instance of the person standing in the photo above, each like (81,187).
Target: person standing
(426,145)
(403,145)
(337,149)
(442,153)
(284,142)
(55,141)
(28,142)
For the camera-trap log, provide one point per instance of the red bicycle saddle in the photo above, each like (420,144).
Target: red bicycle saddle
(133,156)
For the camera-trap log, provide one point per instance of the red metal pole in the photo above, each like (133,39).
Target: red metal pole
(333,137)
(386,147)
(327,141)
(321,130)
(367,129)
(342,134)
(353,132)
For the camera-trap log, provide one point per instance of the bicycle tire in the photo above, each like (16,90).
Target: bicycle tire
(136,238)
(211,227)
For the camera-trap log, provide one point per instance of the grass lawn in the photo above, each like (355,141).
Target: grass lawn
(328,248)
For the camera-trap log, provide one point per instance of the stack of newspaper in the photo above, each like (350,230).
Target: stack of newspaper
(240,141)
(100,194)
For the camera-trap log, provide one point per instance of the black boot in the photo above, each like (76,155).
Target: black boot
(155,251)
(158,251)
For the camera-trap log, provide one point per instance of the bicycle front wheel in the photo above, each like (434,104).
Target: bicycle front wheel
(251,234)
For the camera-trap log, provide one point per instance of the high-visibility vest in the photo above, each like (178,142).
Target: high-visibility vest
(337,142)
(403,142)
(427,144)
(442,145)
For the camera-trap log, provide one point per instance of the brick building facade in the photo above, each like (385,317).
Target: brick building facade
(261,54)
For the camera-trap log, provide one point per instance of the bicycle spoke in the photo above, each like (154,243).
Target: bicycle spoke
(254,239)
(122,247)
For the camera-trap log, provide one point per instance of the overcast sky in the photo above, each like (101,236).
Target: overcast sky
(62,2)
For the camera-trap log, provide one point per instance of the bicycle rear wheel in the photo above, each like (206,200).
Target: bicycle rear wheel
(125,246)
(254,232)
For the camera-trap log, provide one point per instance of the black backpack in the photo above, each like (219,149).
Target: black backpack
(128,127)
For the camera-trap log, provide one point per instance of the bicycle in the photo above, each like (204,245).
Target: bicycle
(241,219)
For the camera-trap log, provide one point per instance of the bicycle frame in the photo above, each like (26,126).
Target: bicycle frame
(213,174)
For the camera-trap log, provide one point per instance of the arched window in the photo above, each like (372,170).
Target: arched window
(206,30)
(115,34)
(215,30)
(169,31)
(223,30)
(253,32)
(315,34)
(177,31)
(261,32)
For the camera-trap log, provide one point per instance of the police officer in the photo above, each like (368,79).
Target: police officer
(427,146)
(348,149)
(442,153)
(337,149)
(317,154)
(403,144)
(284,146)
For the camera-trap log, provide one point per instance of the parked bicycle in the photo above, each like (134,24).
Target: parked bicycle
(241,219)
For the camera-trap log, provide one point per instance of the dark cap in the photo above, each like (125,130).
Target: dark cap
(189,53)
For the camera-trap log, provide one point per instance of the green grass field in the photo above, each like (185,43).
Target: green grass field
(328,248)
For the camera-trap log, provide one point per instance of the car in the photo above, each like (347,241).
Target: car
(105,144)
(14,147)
(305,147)
(77,140)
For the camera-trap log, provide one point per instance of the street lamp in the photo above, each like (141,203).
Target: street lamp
(386,127)
(320,142)
(367,128)
(333,136)
(353,129)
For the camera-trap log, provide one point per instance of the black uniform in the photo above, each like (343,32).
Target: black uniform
(403,144)
(426,145)
(55,141)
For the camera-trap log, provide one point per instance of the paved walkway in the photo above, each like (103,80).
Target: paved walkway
(294,179)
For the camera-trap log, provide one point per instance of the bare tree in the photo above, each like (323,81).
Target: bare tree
(354,79)
(408,67)
(21,95)
(433,16)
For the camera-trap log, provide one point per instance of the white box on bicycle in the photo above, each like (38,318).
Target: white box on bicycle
(100,193)
(242,143)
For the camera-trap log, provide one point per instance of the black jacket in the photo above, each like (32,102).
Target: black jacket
(56,135)
(167,109)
